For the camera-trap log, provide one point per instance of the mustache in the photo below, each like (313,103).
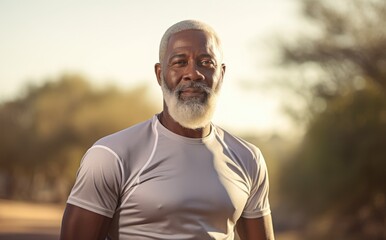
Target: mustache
(193,84)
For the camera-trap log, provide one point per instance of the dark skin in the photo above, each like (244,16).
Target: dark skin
(189,58)
(191,55)
(193,47)
(79,223)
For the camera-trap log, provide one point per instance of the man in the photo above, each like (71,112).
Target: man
(175,176)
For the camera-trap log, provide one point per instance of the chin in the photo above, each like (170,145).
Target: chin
(190,114)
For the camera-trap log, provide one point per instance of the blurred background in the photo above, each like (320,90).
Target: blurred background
(305,82)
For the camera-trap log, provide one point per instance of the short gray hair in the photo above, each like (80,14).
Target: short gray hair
(187,25)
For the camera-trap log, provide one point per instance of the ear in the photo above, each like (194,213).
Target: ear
(158,72)
(223,68)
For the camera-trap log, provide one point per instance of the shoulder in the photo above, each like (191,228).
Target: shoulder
(247,156)
(130,146)
(239,145)
(111,155)
(127,139)
(121,137)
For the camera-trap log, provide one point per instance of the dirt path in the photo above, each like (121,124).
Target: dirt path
(22,221)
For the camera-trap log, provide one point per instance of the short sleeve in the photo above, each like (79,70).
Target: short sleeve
(98,182)
(258,204)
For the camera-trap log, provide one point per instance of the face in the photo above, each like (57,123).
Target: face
(191,75)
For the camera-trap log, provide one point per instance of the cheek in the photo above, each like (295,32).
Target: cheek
(216,79)
(172,78)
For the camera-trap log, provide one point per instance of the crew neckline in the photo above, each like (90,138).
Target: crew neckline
(163,130)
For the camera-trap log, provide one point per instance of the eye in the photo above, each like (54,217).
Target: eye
(208,63)
(179,63)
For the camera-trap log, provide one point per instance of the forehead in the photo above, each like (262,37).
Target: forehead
(192,41)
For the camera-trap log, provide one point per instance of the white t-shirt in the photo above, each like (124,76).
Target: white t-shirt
(156,184)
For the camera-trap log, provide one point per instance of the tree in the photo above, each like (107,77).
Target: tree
(337,173)
(341,50)
(46,132)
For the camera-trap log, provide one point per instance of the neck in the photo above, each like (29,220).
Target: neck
(168,122)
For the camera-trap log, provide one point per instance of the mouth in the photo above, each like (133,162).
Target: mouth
(191,92)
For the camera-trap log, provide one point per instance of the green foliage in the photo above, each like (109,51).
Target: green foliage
(341,50)
(46,132)
(341,159)
(336,179)
(339,169)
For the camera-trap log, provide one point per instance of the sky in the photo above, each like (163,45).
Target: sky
(116,42)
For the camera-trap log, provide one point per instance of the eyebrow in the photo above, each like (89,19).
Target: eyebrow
(204,55)
(183,55)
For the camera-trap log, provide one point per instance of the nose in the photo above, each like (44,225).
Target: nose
(192,72)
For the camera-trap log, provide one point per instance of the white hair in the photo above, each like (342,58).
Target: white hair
(191,114)
(187,25)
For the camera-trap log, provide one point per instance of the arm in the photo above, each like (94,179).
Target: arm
(255,228)
(79,223)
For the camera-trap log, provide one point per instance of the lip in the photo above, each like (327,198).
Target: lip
(190,89)
(191,92)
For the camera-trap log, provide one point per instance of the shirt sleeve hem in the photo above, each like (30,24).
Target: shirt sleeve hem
(90,207)
(256,214)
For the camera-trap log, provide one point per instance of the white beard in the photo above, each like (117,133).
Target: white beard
(193,113)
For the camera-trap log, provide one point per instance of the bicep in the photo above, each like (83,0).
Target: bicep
(79,223)
(255,228)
